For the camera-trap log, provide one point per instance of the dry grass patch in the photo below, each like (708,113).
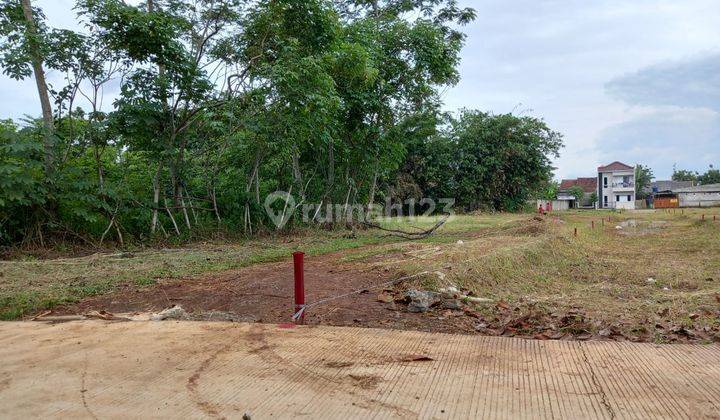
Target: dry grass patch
(641,286)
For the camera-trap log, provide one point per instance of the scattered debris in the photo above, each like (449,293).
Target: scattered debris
(107,316)
(38,316)
(421,301)
(460,242)
(452,304)
(175,312)
(62,318)
(650,280)
(410,235)
(474,299)
(450,292)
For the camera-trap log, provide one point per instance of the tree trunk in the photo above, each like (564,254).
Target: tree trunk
(184,209)
(172,219)
(373,187)
(156,197)
(331,168)
(297,175)
(37,64)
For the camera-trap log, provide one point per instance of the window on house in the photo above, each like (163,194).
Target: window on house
(629,198)
(605,199)
(617,198)
(605,182)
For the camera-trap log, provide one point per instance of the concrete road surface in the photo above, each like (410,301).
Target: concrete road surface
(97,369)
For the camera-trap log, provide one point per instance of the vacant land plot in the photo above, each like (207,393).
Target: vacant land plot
(642,276)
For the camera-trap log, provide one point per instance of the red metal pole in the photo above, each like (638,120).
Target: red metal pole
(575,231)
(298,260)
(593,224)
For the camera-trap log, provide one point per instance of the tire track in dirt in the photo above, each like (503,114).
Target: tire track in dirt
(359,384)
(207,407)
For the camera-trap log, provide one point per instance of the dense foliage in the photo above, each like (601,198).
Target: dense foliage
(643,179)
(223,102)
(711,176)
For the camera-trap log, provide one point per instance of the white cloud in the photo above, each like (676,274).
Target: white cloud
(693,82)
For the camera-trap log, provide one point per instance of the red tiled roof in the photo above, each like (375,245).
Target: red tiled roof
(587,184)
(615,166)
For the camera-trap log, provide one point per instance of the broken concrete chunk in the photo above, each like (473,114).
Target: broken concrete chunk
(452,304)
(421,301)
(176,312)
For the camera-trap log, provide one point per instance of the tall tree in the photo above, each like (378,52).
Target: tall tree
(501,159)
(712,176)
(684,175)
(643,179)
(24,49)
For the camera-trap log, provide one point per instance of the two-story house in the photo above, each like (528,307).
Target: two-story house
(616,186)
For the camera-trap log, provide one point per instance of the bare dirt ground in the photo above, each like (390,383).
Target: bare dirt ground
(264,293)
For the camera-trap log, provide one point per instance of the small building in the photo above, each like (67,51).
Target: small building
(616,186)
(665,200)
(588,185)
(699,196)
(669,185)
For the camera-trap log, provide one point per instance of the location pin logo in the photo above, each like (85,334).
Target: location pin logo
(280,214)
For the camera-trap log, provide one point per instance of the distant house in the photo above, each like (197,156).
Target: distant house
(700,196)
(588,185)
(616,186)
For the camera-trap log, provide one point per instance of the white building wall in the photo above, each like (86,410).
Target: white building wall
(699,199)
(614,189)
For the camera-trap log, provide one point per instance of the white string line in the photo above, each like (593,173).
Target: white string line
(299,313)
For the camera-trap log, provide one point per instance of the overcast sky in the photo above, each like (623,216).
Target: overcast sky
(630,80)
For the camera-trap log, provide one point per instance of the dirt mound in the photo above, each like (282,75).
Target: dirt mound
(534,226)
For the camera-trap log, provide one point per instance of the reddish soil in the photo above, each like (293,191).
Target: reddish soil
(264,293)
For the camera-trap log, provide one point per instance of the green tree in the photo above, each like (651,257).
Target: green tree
(712,176)
(684,175)
(577,192)
(24,44)
(643,178)
(593,198)
(501,159)
(551,190)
